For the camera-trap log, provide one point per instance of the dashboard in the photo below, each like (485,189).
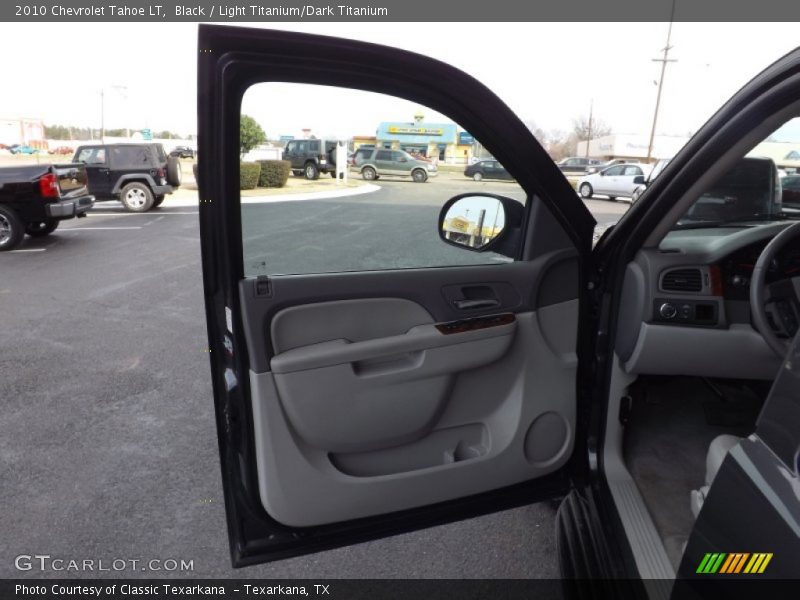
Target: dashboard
(685,306)
(737,268)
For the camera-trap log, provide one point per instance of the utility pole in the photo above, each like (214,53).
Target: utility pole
(664,60)
(102,116)
(589,133)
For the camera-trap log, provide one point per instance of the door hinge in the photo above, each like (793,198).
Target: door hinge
(263,287)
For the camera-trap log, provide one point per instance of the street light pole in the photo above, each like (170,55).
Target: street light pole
(102,116)
(123,91)
(664,60)
(589,132)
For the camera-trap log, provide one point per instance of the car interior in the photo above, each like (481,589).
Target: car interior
(692,368)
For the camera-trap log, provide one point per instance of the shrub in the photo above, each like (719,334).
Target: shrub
(248,175)
(274,173)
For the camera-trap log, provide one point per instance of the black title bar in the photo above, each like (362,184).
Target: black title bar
(410,11)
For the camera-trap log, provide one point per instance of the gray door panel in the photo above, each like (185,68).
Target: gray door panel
(359,398)
(519,286)
(392,388)
(445,437)
(313,323)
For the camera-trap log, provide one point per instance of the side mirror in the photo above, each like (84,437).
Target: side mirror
(639,179)
(481,222)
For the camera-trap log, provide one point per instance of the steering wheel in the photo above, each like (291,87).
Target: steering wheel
(776,307)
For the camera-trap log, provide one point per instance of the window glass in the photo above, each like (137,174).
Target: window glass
(791,183)
(129,155)
(613,171)
(92,156)
(385,215)
(755,189)
(632,171)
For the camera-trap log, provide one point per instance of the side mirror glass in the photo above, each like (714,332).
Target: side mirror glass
(639,179)
(473,221)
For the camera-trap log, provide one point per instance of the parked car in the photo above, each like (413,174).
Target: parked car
(138,175)
(641,186)
(309,158)
(182,152)
(374,163)
(61,150)
(23,149)
(487,169)
(614,161)
(357,405)
(613,182)
(35,199)
(357,158)
(577,164)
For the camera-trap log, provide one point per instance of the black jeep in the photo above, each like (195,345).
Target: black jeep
(138,175)
(309,158)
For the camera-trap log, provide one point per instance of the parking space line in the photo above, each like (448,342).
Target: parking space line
(98,228)
(28,250)
(127,214)
(153,221)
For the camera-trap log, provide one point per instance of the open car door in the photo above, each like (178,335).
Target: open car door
(369,377)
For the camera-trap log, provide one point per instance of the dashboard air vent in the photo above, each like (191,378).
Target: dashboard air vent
(682,280)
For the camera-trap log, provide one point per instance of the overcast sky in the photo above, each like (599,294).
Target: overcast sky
(547,73)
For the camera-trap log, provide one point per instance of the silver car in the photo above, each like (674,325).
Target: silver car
(613,182)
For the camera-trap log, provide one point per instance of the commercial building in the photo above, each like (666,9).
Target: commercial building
(634,146)
(442,142)
(29,132)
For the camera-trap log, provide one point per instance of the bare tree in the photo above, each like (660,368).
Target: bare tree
(561,144)
(584,131)
(538,132)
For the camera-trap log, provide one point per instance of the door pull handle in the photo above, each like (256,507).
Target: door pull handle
(473,304)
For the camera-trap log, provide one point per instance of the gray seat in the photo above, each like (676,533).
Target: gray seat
(717,451)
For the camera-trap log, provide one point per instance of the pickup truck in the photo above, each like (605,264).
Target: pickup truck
(34,199)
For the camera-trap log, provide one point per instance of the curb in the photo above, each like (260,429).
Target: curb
(362,189)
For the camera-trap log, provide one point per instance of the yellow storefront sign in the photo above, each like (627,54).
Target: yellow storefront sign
(415,130)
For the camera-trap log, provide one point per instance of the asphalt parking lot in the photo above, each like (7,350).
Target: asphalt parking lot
(107,441)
